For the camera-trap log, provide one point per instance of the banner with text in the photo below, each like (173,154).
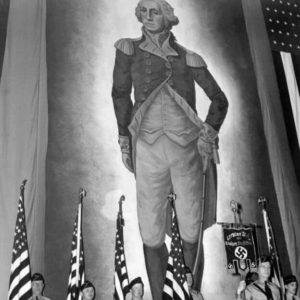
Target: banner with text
(241,247)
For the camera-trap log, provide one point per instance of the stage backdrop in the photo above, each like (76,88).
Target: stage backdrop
(23,130)
(83,150)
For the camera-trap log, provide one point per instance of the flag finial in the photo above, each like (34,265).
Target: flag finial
(82,194)
(22,187)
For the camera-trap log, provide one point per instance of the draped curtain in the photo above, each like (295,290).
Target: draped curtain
(287,189)
(23,131)
(4,4)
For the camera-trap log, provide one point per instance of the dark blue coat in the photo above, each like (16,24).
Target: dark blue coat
(138,66)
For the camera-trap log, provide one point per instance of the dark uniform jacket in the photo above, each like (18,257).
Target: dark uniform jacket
(138,65)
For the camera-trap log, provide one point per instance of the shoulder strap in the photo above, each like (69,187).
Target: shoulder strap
(195,60)
(263,291)
(125,45)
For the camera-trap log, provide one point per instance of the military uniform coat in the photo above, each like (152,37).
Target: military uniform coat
(140,65)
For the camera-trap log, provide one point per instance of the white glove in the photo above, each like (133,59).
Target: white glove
(127,161)
(206,143)
(124,143)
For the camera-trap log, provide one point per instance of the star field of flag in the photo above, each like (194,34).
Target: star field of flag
(175,282)
(74,284)
(121,280)
(20,274)
(282,18)
(20,235)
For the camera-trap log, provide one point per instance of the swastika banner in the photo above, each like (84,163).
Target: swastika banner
(240,246)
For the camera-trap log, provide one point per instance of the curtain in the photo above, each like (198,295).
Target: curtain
(4,4)
(23,131)
(287,189)
(292,89)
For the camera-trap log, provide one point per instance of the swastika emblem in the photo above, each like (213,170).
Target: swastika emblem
(241,252)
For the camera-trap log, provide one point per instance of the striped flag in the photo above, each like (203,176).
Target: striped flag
(20,274)
(77,265)
(121,281)
(278,279)
(282,19)
(176,286)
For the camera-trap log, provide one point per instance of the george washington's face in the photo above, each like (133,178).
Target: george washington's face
(151,16)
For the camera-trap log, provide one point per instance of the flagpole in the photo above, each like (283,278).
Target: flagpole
(82,194)
(270,236)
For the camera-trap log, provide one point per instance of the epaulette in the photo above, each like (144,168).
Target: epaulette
(125,45)
(194,60)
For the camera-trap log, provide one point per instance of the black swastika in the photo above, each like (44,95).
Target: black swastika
(241,253)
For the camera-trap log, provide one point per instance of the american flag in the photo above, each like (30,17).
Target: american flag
(20,274)
(282,19)
(77,265)
(283,24)
(176,286)
(121,280)
(278,279)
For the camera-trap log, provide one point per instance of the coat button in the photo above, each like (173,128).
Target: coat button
(148,62)
(168,73)
(146,54)
(170,82)
(170,58)
(148,71)
(146,89)
(143,98)
(147,79)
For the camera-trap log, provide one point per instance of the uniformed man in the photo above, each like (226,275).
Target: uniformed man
(291,287)
(38,287)
(161,135)
(262,288)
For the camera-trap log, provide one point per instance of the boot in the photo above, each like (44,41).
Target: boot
(156,260)
(190,252)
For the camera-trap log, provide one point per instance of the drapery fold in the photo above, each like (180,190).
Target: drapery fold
(23,131)
(4,5)
(287,189)
(293,89)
